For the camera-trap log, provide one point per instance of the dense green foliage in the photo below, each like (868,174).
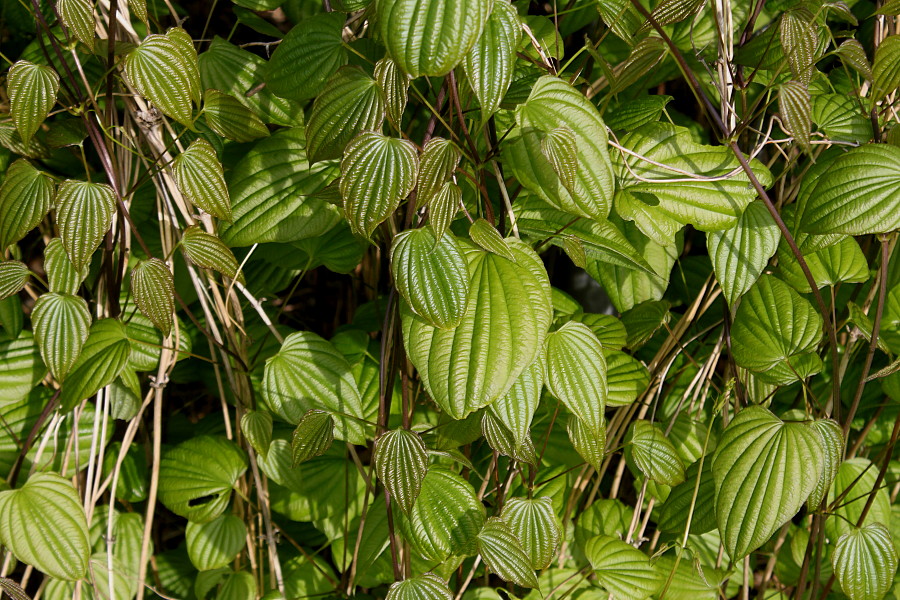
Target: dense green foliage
(450,299)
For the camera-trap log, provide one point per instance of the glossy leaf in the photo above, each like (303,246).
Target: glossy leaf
(401,462)
(312,436)
(196,477)
(200,178)
(740,254)
(842,261)
(307,56)
(153,288)
(764,469)
(626,378)
(623,570)
(61,275)
(13,277)
(514,298)
(832,441)
(84,213)
(588,441)
(25,199)
(653,454)
(102,358)
(21,367)
(61,324)
(257,428)
(78,17)
(489,64)
(231,119)
(865,562)
(377,172)
(394,86)
(32,93)
(432,276)
(309,373)
(44,525)
(207,251)
(799,40)
(350,104)
(159,71)
(445,519)
(796,109)
(443,208)
(215,544)
(536,526)
(488,238)
(503,553)
(886,68)
(427,586)
(576,373)
(702,495)
(515,409)
(439,160)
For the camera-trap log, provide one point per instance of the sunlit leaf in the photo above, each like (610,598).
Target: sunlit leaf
(865,562)
(401,463)
(61,325)
(25,199)
(32,93)
(312,436)
(503,553)
(84,213)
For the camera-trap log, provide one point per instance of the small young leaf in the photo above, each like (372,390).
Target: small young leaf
(401,462)
(853,55)
(574,249)
(215,544)
(153,288)
(561,149)
(796,109)
(84,213)
(576,373)
(44,525)
(32,93)
(832,440)
(350,104)
(231,119)
(501,439)
(799,40)
(307,56)
(103,356)
(184,44)
(313,436)
(623,570)
(865,562)
(257,428)
(25,199)
(394,85)
(199,176)
(489,65)
(653,454)
(536,526)
(61,324)
(515,410)
(432,276)
(443,208)
(377,172)
(61,275)
(158,70)
(437,164)
(78,17)
(503,553)
(427,586)
(207,251)
(487,237)
(588,441)
(13,277)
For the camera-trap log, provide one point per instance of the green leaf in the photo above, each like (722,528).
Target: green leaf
(201,180)
(622,570)
(589,443)
(740,254)
(854,56)
(503,553)
(865,562)
(196,477)
(308,372)
(502,440)
(394,86)
(44,525)
(239,72)
(313,435)
(228,117)
(237,586)
(445,519)
(32,93)
(799,41)
(215,544)
(377,172)
(153,288)
(273,193)
(21,367)
(561,149)
(78,17)
(773,326)
(854,483)
(25,199)
(832,441)
(350,104)
(256,425)
(515,410)
(885,69)
(489,64)
(430,40)
(432,276)
(427,586)
(836,207)
(443,207)
(207,251)
(764,469)
(796,112)
(645,55)
(84,213)
(687,195)
(61,275)
(13,277)
(576,373)
(508,314)
(677,508)
(626,378)
(488,238)
(533,522)
(159,70)
(307,56)
(437,164)
(838,117)
(553,104)
(61,324)
(653,454)
(843,261)
(103,356)
(644,320)
(184,45)
(632,114)
(621,17)
(401,462)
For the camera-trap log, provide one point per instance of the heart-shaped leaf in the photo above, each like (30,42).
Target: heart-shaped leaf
(153,288)
(865,562)
(764,469)
(196,477)
(256,426)
(228,117)
(401,462)
(623,570)
(515,409)
(307,56)
(313,435)
(160,71)
(84,213)
(32,93)
(489,64)
(200,178)
(25,200)
(394,86)
(508,314)
(437,164)
(536,526)
(103,356)
(488,238)
(61,324)
(44,525)
(653,454)
(427,586)
(78,17)
(207,251)
(215,544)
(503,553)
(576,373)
(13,277)
(61,275)
(701,496)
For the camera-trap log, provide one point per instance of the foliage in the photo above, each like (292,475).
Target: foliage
(435,299)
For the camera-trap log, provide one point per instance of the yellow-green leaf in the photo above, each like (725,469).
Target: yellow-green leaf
(25,199)
(61,324)
(32,93)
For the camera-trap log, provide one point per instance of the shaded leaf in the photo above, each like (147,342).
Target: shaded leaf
(207,251)
(796,112)
(427,586)
(25,199)
(394,85)
(228,117)
(623,570)
(78,17)
(653,454)
(103,356)
(313,435)
(307,56)
(159,71)
(13,277)
(215,544)
(576,373)
(153,288)
(256,426)
(503,553)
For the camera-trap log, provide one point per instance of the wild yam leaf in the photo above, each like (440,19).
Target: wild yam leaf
(401,461)
(32,93)
(25,199)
